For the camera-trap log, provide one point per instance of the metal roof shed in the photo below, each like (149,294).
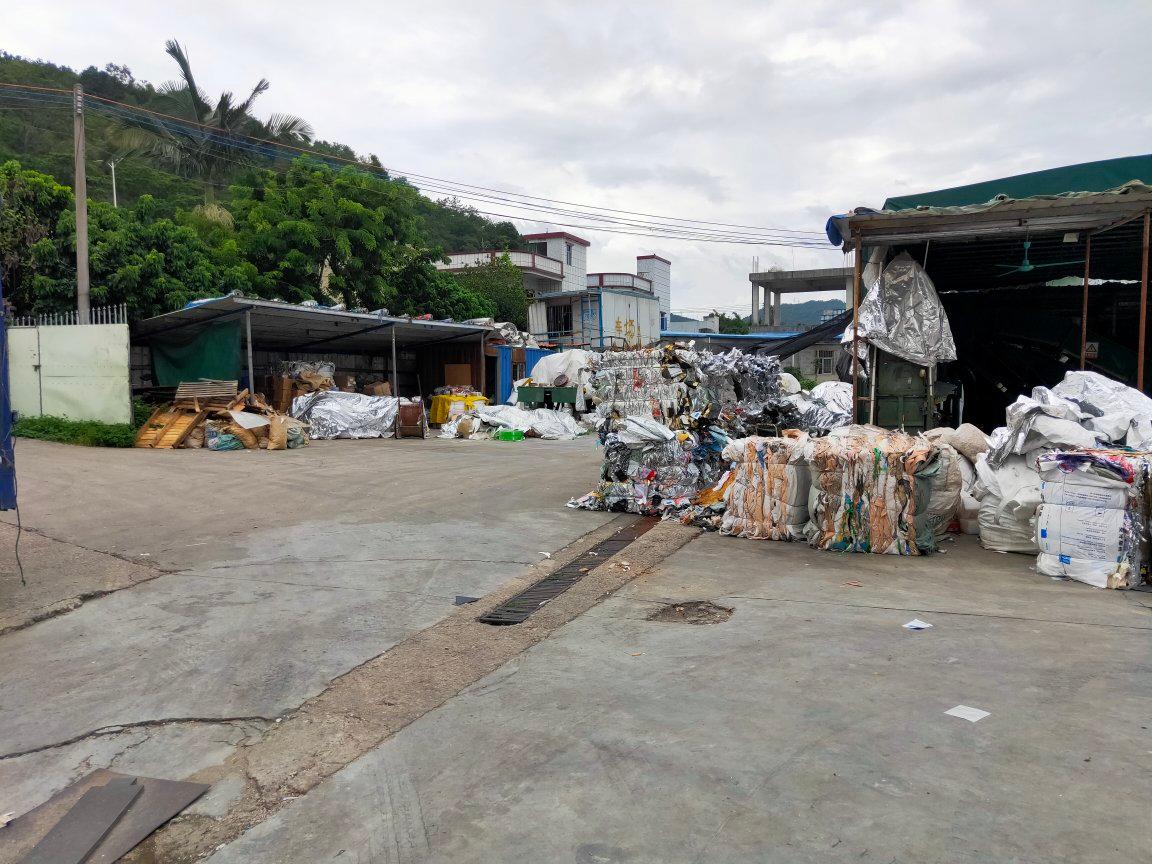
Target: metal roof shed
(970,251)
(288,328)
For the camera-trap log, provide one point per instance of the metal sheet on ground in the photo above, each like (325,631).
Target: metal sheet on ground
(85,824)
(158,801)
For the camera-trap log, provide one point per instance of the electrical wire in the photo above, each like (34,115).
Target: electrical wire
(689,231)
(273,149)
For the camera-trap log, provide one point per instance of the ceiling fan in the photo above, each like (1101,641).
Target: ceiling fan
(1027,266)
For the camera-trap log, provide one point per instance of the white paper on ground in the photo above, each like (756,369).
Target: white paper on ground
(917,624)
(967,712)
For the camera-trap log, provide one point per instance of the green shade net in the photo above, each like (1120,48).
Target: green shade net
(207,352)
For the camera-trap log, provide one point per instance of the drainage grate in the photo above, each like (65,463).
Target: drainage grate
(530,599)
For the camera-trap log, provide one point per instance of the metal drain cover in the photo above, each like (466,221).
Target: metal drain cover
(517,608)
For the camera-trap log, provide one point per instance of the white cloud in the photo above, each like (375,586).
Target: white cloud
(755,113)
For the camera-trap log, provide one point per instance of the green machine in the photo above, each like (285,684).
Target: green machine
(903,395)
(545,397)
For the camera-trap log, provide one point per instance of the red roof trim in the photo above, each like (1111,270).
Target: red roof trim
(549,235)
(656,257)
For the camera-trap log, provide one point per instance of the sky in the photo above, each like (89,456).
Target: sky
(772,114)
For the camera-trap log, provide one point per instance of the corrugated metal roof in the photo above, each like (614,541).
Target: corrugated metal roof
(288,326)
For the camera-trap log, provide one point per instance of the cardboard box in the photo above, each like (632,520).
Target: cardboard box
(345,382)
(378,388)
(458,374)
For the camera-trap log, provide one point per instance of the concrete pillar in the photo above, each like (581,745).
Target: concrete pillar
(755,303)
(776,307)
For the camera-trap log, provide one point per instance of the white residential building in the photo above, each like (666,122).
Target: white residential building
(575,308)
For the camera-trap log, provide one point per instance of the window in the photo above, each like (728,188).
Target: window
(568,254)
(825,360)
(539,247)
(559,319)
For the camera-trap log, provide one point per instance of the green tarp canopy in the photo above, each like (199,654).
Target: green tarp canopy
(1085,177)
(206,352)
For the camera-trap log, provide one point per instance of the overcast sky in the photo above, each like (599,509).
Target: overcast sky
(765,114)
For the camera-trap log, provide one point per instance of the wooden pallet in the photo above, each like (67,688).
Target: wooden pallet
(170,426)
(206,391)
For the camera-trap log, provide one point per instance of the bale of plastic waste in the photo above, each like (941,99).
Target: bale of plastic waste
(870,491)
(767,497)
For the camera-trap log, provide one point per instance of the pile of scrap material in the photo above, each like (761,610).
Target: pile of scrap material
(828,405)
(1085,411)
(1092,522)
(666,415)
(339,414)
(484,421)
(688,389)
(766,496)
(870,491)
(212,415)
(296,378)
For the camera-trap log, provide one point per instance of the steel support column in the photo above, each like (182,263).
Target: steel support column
(1084,306)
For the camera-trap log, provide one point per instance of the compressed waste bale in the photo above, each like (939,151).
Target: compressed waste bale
(769,482)
(1092,523)
(870,491)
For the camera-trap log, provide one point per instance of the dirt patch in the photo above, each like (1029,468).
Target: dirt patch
(692,612)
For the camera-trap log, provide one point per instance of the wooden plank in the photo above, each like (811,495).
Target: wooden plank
(207,390)
(150,431)
(178,431)
(79,832)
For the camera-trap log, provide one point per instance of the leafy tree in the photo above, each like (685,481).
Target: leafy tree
(502,283)
(418,288)
(319,233)
(154,265)
(730,322)
(37,226)
(455,227)
(208,153)
(136,255)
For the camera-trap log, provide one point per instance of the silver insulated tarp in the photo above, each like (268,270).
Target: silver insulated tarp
(336,414)
(902,315)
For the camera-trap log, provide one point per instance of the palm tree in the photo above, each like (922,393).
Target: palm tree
(217,141)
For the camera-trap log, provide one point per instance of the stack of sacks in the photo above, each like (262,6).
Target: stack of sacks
(870,491)
(952,502)
(1085,410)
(1092,524)
(1008,496)
(767,496)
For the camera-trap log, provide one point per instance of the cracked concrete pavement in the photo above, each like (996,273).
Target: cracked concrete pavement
(809,727)
(269,575)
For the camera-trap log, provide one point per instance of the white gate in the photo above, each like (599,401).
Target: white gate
(78,371)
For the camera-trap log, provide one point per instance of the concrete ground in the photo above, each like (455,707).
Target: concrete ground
(810,727)
(267,575)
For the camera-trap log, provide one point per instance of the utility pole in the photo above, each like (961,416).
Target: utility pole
(112,165)
(80,188)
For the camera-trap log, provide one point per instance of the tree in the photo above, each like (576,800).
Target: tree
(155,265)
(318,233)
(502,283)
(136,256)
(209,147)
(731,322)
(37,249)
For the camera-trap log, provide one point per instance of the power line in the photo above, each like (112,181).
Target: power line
(687,231)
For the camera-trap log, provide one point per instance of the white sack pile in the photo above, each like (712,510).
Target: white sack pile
(1085,410)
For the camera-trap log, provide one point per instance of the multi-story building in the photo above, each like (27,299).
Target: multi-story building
(574,308)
